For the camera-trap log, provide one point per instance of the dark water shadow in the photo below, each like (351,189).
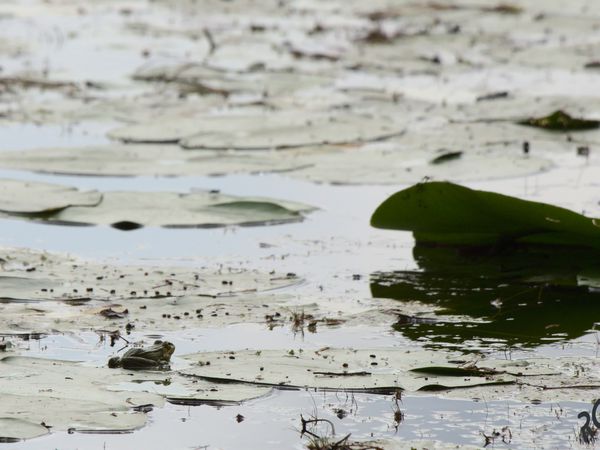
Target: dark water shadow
(518,297)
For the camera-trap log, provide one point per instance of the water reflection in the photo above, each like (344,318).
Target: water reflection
(522,297)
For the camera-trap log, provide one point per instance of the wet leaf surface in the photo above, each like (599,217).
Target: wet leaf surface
(258,130)
(381,371)
(36,276)
(131,210)
(449,214)
(139,160)
(19,197)
(92,399)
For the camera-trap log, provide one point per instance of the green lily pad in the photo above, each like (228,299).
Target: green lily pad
(561,121)
(449,214)
(202,79)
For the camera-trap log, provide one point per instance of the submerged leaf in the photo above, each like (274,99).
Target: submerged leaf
(561,121)
(448,214)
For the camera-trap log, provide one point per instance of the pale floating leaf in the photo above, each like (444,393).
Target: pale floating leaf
(421,444)
(14,429)
(185,391)
(68,396)
(28,275)
(247,54)
(203,80)
(131,210)
(364,370)
(23,197)
(259,131)
(134,160)
(541,380)
(391,163)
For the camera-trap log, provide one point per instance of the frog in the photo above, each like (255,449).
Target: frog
(155,357)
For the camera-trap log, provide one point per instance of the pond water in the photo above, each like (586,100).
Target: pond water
(359,287)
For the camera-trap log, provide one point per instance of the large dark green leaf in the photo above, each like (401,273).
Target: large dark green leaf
(448,214)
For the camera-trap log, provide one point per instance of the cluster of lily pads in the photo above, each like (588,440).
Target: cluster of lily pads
(340,92)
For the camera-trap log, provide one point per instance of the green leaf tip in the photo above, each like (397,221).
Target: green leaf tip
(561,121)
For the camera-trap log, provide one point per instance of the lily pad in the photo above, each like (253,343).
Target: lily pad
(13,430)
(393,163)
(366,370)
(131,210)
(400,160)
(449,214)
(198,209)
(63,396)
(201,79)
(139,160)
(561,121)
(30,276)
(23,197)
(259,131)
